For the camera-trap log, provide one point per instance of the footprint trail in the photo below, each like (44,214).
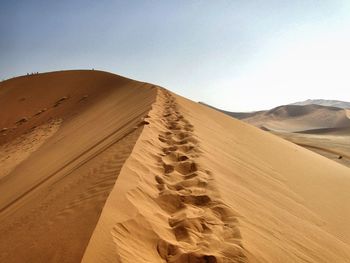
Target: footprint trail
(204,227)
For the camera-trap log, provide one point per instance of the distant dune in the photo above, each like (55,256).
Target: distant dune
(122,171)
(296,118)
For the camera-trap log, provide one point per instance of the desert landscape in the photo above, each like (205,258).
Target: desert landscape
(108,169)
(175,131)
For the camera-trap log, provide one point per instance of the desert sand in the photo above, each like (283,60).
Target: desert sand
(58,167)
(135,173)
(333,143)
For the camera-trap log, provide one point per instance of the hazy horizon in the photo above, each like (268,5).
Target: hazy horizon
(236,56)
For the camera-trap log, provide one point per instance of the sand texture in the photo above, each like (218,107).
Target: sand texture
(331,143)
(56,177)
(124,171)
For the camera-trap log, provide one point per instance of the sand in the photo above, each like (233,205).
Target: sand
(177,182)
(57,181)
(331,143)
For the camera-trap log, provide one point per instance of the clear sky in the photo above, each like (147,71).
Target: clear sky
(237,55)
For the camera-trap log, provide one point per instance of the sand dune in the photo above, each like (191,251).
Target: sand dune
(194,185)
(294,118)
(57,180)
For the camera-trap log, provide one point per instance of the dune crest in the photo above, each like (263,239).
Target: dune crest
(174,201)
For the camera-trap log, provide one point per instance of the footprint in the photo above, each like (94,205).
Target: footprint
(168,168)
(190,176)
(186,148)
(196,224)
(175,157)
(159,179)
(198,200)
(182,135)
(169,149)
(170,202)
(198,182)
(186,167)
(205,230)
(166,249)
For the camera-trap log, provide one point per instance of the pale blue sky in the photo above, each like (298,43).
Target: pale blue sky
(236,55)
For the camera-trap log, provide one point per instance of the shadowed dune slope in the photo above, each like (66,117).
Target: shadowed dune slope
(200,186)
(65,136)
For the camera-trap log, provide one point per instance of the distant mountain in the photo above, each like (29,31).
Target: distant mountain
(332,103)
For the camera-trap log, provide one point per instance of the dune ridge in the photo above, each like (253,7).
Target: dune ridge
(184,217)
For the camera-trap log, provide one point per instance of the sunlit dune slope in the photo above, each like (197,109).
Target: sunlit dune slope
(200,186)
(64,138)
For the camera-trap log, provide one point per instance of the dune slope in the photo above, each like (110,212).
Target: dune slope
(200,186)
(60,162)
(333,143)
